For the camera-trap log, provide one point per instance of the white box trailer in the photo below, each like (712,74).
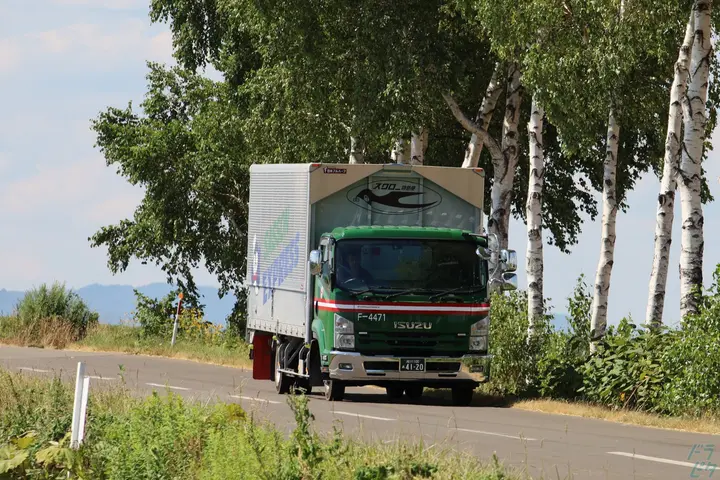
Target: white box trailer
(292,205)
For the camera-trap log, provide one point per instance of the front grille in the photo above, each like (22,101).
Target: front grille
(421,344)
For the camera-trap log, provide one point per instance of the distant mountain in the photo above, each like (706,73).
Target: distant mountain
(116,302)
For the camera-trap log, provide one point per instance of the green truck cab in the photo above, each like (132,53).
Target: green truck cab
(398,298)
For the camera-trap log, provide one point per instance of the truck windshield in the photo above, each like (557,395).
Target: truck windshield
(408,264)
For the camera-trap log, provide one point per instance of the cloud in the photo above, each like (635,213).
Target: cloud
(109,4)
(87,47)
(9,55)
(4,162)
(89,189)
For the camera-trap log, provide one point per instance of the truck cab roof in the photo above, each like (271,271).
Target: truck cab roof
(391,231)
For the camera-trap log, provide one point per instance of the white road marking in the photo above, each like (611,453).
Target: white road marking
(653,459)
(34,369)
(495,434)
(255,399)
(365,416)
(100,378)
(166,386)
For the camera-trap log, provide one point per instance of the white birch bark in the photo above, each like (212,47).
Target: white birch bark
(483,118)
(692,241)
(598,321)
(668,185)
(418,145)
(534,256)
(357,153)
(504,169)
(401,151)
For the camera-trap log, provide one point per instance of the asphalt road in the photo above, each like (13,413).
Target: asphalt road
(551,446)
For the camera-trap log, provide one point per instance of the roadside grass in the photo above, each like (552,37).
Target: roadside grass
(165,436)
(709,424)
(59,334)
(128,339)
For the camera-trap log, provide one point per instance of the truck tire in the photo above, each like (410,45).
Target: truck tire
(462,396)
(414,391)
(334,390)
(282,381)
(394,391)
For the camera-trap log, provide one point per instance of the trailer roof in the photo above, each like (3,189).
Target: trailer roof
(382,231)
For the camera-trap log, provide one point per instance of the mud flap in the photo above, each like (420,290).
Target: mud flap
(262,356)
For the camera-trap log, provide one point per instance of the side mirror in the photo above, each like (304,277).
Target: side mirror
(510,281)
(509,258)
(315,262)
(483,253)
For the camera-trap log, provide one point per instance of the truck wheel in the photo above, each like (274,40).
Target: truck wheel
(462,396)
(282,381)
(414,391)
(334,390)
(394,391)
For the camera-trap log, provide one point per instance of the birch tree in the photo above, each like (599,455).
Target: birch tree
(483,118)
(534,256)
(692,239)
(671,169)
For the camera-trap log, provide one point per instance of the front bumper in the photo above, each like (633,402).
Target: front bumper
(355,367)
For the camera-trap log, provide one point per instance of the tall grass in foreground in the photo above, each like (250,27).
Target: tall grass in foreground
(168,437)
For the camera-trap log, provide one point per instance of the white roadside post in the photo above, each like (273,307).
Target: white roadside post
(175,325)
(82,386)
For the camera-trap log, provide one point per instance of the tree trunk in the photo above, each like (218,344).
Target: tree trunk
(418,145)
(534,257)
(598,322)
(691,251)
(668,185)
(357,153)
(504,169)
(482,119)
(401,151)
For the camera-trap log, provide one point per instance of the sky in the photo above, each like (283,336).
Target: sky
(64,61)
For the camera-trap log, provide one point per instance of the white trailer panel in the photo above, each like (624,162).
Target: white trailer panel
(292,205)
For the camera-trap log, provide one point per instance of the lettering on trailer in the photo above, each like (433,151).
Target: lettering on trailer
(277,233)
(285,263)
(393,197)
(334,170)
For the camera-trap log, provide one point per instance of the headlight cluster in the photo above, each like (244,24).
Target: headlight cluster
(344,333)
(479,335)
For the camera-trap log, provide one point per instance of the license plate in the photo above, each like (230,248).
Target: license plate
(412,364)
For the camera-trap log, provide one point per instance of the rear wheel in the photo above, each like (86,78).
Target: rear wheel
(334,390)
(394,391)
(282,382)
(414,391)
(462,396)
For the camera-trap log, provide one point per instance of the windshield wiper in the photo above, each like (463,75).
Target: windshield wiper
(404,292)
(357,293)
(456,290)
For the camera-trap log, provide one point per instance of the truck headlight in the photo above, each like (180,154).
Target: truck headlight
(478,344)
(344,333)
(479,334)
(480,327)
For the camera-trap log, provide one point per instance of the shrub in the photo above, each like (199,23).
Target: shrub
(514,365)
(56,302)
(155,316)
(626,370)
(692,359)
(565,354)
